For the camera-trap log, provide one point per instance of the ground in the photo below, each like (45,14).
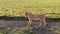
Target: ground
(19,24)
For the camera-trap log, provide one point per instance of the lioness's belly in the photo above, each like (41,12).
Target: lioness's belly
(35,18)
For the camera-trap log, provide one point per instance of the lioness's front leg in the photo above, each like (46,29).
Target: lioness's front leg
(30,22)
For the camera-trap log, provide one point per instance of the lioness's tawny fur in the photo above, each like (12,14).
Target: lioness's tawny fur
(40,17)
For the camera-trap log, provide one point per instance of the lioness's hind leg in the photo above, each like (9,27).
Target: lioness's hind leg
(40,24)
(45,23)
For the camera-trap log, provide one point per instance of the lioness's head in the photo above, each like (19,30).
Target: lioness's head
(27,14)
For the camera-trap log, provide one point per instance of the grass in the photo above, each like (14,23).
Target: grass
(19,7)
(15,30)
(56,29)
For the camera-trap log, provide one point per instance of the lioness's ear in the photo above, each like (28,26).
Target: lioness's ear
(26,13)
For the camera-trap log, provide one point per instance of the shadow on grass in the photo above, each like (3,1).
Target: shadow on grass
(22,18)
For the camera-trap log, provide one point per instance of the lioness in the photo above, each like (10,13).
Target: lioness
(40,17)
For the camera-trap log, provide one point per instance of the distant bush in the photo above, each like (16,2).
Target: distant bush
(21,18)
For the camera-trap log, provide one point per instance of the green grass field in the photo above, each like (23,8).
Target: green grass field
(19,7)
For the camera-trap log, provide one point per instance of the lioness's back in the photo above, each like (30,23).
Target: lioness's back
(37,16)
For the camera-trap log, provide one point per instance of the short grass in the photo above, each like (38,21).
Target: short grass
(51,8)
